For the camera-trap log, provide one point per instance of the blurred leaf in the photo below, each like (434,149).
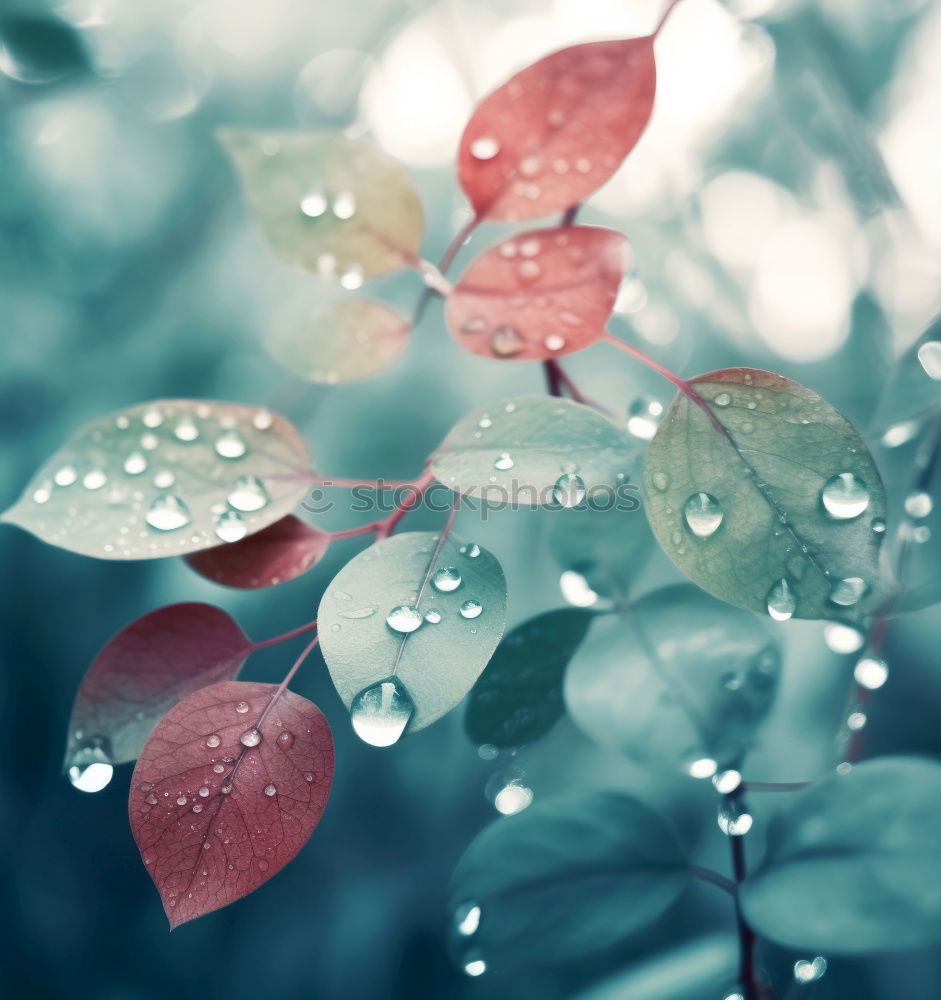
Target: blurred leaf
(535,450)
(39,49)
(677,678)
(164,479)
(450,604)
(227,790)
(769,500)
(913,388)
(341,341)
(518,697)
(337,206)
(538,295)
(564,879)
(854,865)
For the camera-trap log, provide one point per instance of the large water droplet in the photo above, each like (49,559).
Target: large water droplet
(703,514)
(503,462)
(844,496)
(230,444)
(466,918)
(251,737)
(484,147)
(380,713)
(929,355)
(506,341)
(135,464)
(733,819)
(248,494)
(230,527)
(270,790)
(847,592)
(569,490)
(404,618)
(871,673)
(471,609)
(433,616)
(168,513)
(90,777)
(446,579)
(781,601)
(213,740)
(285,739)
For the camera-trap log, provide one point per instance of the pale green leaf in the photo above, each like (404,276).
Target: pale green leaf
(166,478)
(776,506)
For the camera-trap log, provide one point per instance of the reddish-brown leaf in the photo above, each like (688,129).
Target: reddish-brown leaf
(215,818)
(545,293)
(556,131)
(281,552)
(144,670)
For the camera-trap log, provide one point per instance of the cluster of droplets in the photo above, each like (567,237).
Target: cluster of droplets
(341,207)
(643,417)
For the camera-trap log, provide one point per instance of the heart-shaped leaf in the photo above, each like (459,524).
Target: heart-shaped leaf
(854,865)
(766,497)
(227,790)
(143,671)
(555,132)
(166,478)
(518,697)
(678,679)
(282,551)
(539,295)
(406,628)
(914,385)
(536,450)
(337,206)
(563,879)
(341,341)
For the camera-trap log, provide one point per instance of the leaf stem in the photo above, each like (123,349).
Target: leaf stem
(288,677)
(714,878)
(300,630)
(433,278)
(447,259)
(419,487)
(774,786)
(568,216)
(747,973)
(364,484)
(663,18)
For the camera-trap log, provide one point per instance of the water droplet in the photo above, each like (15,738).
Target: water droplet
(781,601)
(871,672)
(918,505)
(703,514)
(484,422)
(844,496)
(285,739)
(475,966)
(353,278)
(569,490)
(262,420)
(241,707)
(856,721)
(842,638)
(404,618)
(181,800)
(506,341)
(152,418)
(528,270)
(185,430)
(512,798)
(230,527)
(94,480)
(725,782)
(197,808)
(248,494)
(213,741)
(135,464)
(722,399)
(168,513)
(877,526)
(446,579)
(734,820)
(474,324)
(42,493)
(380,713)
(344,205)
(503,462)
(313,205)
(643,417)
(810,972)
(270,790)
(704,767)
(847,592)
(230,444)
(466,918)
(433,616)
(899,434)
(929,356)
(226,789)
(65,476)
(471,550)
(90,777)
(218,768)
(554,342)
(164,479)
(471,609)
(661,481)
(583,165)
(204,792)
(484,147)
(251,737)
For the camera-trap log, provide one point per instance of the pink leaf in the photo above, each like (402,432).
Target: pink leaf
(539,295)
(556,131)
(144,670)
(281,552)
(227,790)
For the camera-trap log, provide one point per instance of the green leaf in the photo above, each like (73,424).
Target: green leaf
(777,506)
(564,879)
(854,865)
(438,662)
(166,478)
(914,386)
(679,678)
(536,450)
(337,206)
(518,698)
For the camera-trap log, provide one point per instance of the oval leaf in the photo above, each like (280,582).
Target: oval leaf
(776,507)
(556,131)
(438,662)
(342,341)
(337,206)
(534,450)
(678,679)
(539,295)
(564,879)
(143,671)
(166,478)
(282,551)
(214,818)
(518,698)
(853,866)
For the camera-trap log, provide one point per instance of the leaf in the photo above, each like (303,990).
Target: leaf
(337,206)
(677,679)
(216,814)
(279,553)
(563,879)
(914,384)
(462,586)
(518,697)
(166,478)
(557,130)
(143,671)
(539,295)
(854,865)
(778,507)
(40,49)
(533,450)
(341,341)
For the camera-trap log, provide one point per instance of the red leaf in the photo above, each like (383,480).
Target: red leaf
(556,131)
(281,552)
(539,295)
(144,670)
(215,818)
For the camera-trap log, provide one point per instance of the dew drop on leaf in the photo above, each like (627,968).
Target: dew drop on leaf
(168,513)
(381,712)
(503,462)
(94,479)
(135,464)
(847,592)
(471,609)
(230,527)
(733,819)
(484,147)
(725,782)
(433,616)
(65,476)
(446,579)
(313,205)
(248,494)
(213,741)
(471,550)
(404,618)
(781,601)
(474,965)
(569,490)
(230,444)
(844,496)
(285,739)
(270,790)
(186,430)
(90,777)
(643,417)
(467,918)
(703,514)
(251,737)
(241,707)
(506,341)
(704,767)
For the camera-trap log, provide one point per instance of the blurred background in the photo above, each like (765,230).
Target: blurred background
(784,208)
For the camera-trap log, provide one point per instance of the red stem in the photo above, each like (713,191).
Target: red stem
(366,484)
(663,18)
(419,487)
(282,687)
(454,247)
(300,630)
